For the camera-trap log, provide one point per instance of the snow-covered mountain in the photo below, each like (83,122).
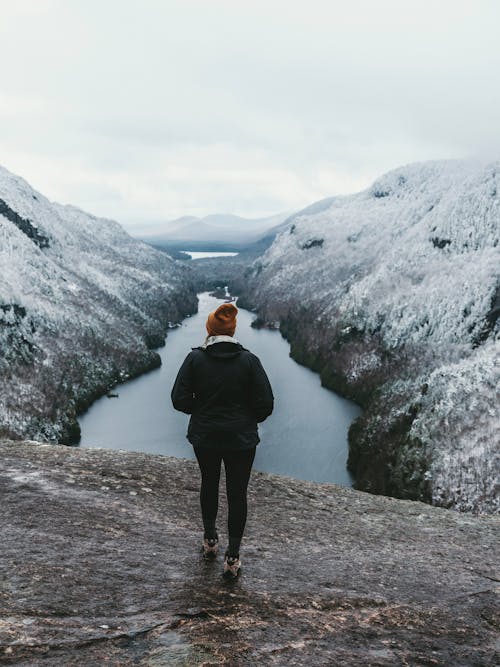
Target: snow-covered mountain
(214,228)
(393,294)
(82,304)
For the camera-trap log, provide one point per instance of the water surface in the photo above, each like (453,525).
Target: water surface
(203,255)
(305,437)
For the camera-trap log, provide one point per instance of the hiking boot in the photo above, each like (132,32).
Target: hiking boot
(232,565)
(210,547)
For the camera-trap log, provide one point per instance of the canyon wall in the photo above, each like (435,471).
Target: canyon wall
(393,296)
(82,307)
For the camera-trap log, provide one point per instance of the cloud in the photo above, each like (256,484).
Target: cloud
(148,111)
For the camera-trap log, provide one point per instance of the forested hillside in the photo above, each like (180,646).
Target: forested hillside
(82,305)
(393,295)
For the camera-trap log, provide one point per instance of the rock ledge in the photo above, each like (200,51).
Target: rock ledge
(100,565)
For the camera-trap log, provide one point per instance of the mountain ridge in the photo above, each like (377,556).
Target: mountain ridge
(398,286)
(82,305)
(215,227)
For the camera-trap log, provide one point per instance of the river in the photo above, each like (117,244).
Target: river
(305,437)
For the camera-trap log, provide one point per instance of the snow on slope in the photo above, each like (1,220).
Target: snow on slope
(411,268)
(81,304)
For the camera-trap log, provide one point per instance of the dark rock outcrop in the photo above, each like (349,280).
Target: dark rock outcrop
(25,225)
(312,243)
(100,565)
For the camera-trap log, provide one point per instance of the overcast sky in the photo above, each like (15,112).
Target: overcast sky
(145,110)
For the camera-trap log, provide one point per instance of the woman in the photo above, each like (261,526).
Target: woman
(225,389)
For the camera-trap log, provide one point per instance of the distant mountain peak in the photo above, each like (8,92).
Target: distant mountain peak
(215,227)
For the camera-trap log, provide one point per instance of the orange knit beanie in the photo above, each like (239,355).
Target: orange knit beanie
(222,322)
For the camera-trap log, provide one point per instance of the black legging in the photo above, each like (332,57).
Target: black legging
(238,465)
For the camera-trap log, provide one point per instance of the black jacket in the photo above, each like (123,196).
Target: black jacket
(226,391)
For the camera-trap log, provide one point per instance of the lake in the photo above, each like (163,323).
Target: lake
(203,255)
(305,437)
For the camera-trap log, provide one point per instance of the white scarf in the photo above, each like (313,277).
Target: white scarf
(210,340)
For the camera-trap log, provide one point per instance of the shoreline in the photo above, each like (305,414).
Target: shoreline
(326,461)
(81,407)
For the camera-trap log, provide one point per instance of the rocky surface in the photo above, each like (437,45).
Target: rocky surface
(100,565)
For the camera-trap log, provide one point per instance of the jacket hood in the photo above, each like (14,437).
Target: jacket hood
(224,350)
(221,347)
